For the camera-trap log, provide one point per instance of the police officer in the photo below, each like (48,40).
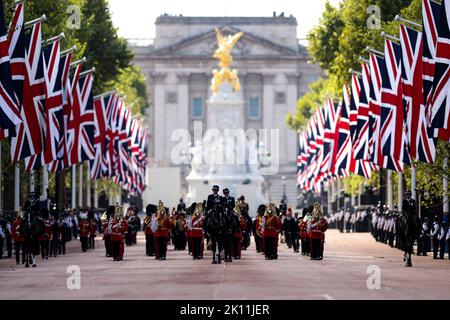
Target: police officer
(409,204)
(434,236)
(424,238)
(442,239)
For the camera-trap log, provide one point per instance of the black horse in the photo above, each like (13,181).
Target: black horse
(216,226)
(31,227)
(408,227)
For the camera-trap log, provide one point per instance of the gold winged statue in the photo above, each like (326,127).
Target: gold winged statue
(223,54)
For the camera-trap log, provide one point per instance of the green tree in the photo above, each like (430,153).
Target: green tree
(104,50)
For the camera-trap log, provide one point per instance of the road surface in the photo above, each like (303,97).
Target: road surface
(350,262)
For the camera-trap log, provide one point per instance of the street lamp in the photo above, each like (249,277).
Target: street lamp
(283,181)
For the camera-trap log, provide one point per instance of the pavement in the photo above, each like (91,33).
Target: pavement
(354,267)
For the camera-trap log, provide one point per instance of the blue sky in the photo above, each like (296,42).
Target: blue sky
(135,18)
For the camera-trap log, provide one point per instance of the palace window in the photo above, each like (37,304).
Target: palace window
(197,108)
(254,110)
(280,98)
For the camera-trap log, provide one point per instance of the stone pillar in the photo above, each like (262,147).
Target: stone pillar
(16,187)
(74,187)
(268,101)
(291,106)
(160,119)
(88,185)
(413,181)
(80,186)
(183,100)
(400,192)
(32,188)
(445,181)
(389,190)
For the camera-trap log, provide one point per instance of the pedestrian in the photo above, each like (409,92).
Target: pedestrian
(56,235)
(424,238)
(65,234)
(291,230)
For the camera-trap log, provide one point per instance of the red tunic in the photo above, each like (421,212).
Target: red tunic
(197,227)
(47,231)
(303,232)
(164,226)
(317,229)
(118,229)
(84,227)
(15,231)
(272,227)
(147,228)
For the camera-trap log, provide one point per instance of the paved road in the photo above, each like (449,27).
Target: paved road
(341,275)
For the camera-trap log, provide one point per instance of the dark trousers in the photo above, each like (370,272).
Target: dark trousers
(18,245)
(116,249)
(295,243)
(441,248)
(180,241)
(84,243)
(161,247)
(435,248)
(45,248)
(228,245)
(54,247)
(270,247)
(246,240)
(9,246)
(258,243)
(128,239)
(149,245)
(197,247)
(316,248)
(288,239)
(448,246)
(62,246)
(92,242)
(1,248)
(237,247)
(108,246)
(391,239)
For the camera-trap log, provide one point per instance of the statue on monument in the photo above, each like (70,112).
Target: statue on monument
(223,54)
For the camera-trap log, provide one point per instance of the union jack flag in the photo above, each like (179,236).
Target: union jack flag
(9,108)
(111,138)
(441,95)
(101,105)
(80,133)
(343,144)
(53,108)
(393,130)
(30,133)
(62,155)
(362,134)
(328,140)
(378,71)
(421,143)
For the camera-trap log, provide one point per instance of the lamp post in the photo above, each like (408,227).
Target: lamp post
(283,181)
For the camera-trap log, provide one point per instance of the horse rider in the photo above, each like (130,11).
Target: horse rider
(228,204)
(150,212)
(214,199)
(409,204)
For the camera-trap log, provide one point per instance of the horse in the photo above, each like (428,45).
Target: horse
(408,227)
(31,228)
(215,226)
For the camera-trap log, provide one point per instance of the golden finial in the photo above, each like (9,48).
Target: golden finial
(223,54)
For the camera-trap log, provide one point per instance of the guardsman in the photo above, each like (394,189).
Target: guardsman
(107,222)
(316,228)
(256,228)
(45,238)
(92,230)
(196,228)
(161,226)
(303,234)
(271,227)
(126,231)
(180,232)
(83,229)
(150,211)
(117,234)
(246,233)
(240,224)
(18,238)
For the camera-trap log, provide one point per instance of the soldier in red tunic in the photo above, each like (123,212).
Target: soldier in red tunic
(303,233)
(83,228)
(238,232)
(117,234)
(92,230)
(126,232)
(317,226)
(271,227)
(195,227)
(45,238)
(161,226)
(18,238)
(107,220)
(150,211)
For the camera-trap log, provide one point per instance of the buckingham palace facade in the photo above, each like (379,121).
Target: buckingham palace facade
(273,70)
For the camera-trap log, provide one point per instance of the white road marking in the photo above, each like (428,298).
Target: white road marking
(328,297)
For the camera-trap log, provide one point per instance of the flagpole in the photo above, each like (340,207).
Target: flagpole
(80,186)
(400,191)
(389,190)
(74,188)
(88,186)
(16,187)
(446,205)
(96,194)
(32,181)
(45,183)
